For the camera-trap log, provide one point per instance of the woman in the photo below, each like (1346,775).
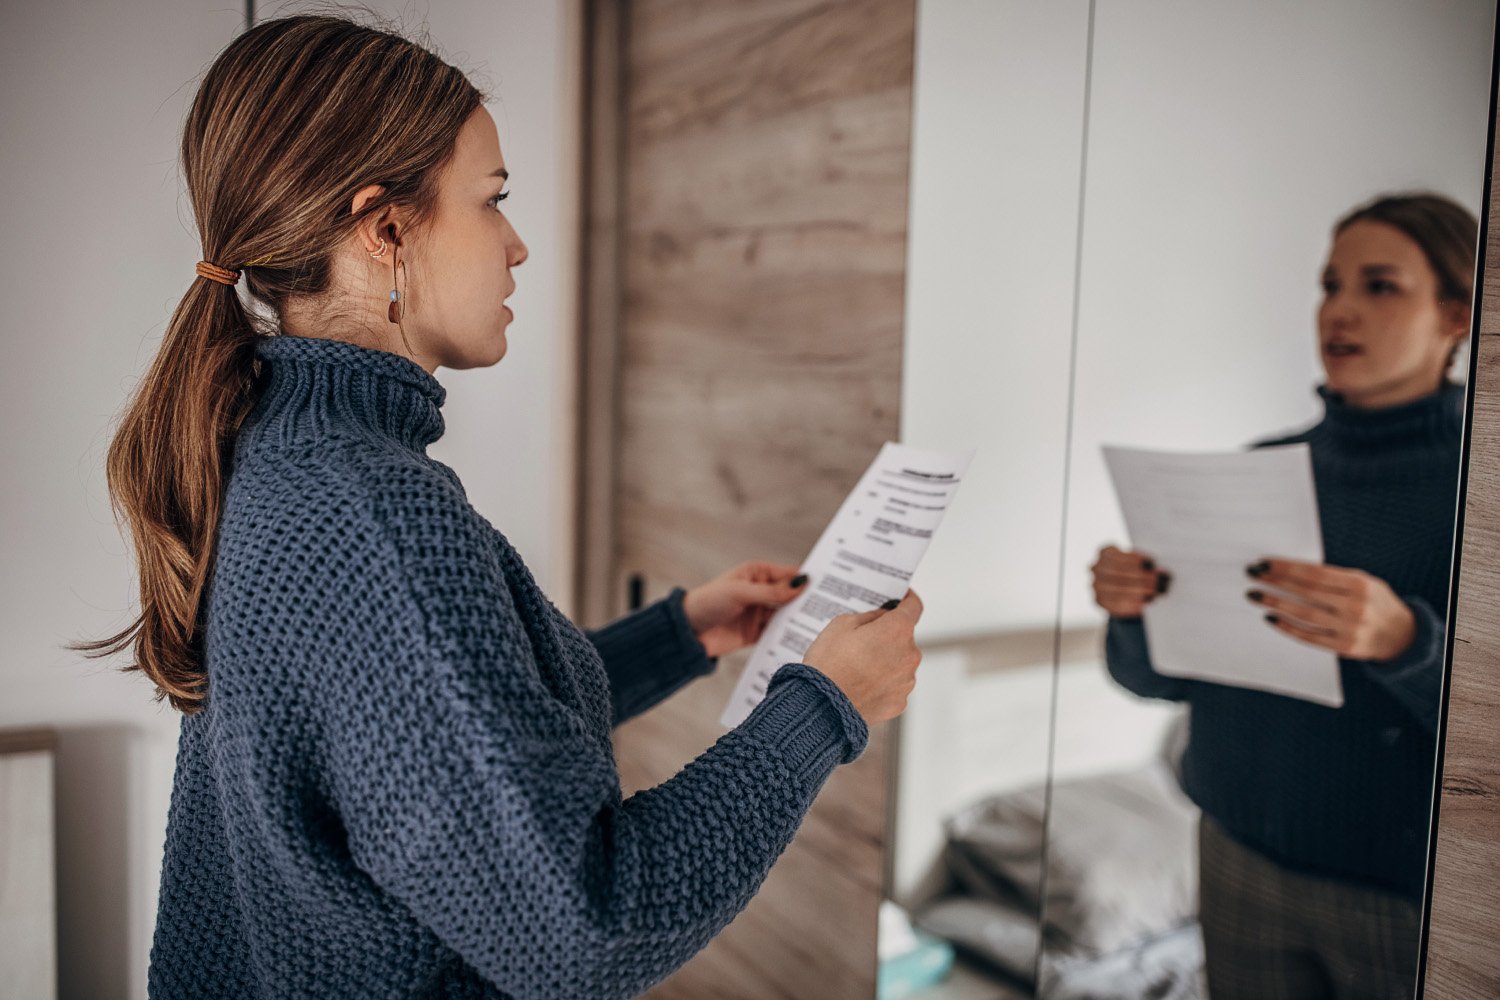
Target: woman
(1315,820)
(395,775)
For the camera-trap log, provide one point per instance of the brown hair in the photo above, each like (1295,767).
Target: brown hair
(1446,231)
(293,117)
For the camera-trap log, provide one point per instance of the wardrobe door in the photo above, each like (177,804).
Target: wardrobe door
(746,239)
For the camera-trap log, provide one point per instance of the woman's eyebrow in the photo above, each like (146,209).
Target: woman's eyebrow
(1377,270)
(501,172)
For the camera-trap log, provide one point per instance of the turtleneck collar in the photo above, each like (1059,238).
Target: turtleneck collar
(316,387)
(1434,419)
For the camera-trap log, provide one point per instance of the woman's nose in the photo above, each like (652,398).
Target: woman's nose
(1338,313)
(518,253)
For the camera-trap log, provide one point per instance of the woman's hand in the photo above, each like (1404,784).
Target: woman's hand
(731,610)
(1349,611)
(872,656)
(1125,582)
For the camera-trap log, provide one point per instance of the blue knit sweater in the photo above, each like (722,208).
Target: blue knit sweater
(1343,793)
(403,783)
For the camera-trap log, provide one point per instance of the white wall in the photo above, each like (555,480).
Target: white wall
(97,248)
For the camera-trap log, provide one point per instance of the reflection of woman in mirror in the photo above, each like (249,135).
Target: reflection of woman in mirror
(1314,829)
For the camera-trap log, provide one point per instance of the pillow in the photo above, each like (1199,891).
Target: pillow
(1121,856)
(993,847)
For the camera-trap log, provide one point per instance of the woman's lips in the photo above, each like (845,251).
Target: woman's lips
(1341,351)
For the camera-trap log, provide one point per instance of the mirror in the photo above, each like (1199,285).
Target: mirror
(1246,842)
(1122,234)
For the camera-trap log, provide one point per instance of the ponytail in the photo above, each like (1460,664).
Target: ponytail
(166,467)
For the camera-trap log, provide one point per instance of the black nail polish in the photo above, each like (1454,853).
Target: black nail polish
(1255,596)
(1163,582)
(799,580)
(1272,618)
(1148,565)
(891,604)
(1259,569)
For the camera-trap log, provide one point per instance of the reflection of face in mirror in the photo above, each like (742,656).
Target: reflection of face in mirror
(1313,831)
(1395,300)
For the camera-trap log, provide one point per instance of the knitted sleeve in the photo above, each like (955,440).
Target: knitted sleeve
(1129,661)
(1415,678)
(476,792)
(649,655)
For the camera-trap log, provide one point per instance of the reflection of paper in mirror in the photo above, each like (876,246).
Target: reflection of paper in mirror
(865,556)
(1204,518)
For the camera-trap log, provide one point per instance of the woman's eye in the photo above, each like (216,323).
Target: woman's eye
(497,199)
(1381,287)
(1330,287)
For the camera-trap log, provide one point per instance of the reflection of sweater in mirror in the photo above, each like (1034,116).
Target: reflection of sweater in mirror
(1345,792)
(403,783)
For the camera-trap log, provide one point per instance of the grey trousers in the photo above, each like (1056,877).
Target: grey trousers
(1274,934)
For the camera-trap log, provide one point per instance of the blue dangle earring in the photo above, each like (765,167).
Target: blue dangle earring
(397,308)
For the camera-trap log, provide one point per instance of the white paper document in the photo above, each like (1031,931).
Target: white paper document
(1204,518)
(865,557)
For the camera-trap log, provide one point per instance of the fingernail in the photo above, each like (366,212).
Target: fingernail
(1255,596)
(1163,582)
(1272,618)
(1259,569)
(799,580)
(891,604)
(1148,565)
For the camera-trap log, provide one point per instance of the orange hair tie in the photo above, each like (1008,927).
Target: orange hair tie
(227,276)
(214,272)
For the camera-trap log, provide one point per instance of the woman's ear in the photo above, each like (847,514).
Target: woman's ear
(1457,317)
(371,230)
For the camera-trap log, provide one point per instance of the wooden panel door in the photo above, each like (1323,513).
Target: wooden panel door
(743,313)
